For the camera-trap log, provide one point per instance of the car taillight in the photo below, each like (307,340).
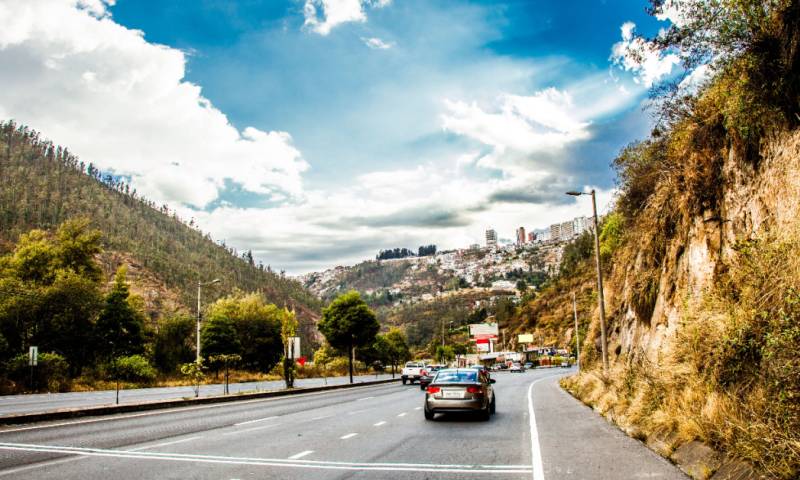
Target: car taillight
(434,390)
(474,390)
(423,373)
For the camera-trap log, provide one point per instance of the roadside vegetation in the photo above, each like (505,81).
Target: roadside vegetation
(729,374)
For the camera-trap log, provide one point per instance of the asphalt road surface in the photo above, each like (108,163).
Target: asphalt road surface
(45,402)
(374,432)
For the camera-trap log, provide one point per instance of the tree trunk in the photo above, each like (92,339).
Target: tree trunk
(350,362)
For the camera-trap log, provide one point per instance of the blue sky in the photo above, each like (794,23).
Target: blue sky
(316,132)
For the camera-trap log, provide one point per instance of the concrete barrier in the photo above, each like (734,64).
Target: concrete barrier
(63,414)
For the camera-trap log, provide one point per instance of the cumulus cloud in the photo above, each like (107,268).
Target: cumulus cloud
(634,55)
(123,104)
(322,16)
(377,43)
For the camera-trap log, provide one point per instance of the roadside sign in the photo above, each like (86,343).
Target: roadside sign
(294,347)
(33,356)
(476,329)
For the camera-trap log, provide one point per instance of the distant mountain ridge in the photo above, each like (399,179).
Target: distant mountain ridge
(42,184)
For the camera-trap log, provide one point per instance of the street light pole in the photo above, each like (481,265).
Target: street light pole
(199,286)
(600,301)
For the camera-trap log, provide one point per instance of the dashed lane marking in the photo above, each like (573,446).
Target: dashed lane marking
(380,423)
(349,435)
(165,444)
(402,414)
(254,421)
(253,429)
(301,454)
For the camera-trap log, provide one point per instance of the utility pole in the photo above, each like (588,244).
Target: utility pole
(598,264)
(577,334)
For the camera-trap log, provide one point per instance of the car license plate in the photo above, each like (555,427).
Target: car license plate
(453,394)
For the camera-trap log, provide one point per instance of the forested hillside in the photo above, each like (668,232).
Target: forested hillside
(42,184)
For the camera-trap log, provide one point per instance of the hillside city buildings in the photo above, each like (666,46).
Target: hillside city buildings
(491,238)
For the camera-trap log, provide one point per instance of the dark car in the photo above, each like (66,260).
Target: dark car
(484,370)
(460,390)
(427,374)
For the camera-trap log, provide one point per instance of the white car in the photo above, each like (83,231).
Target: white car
(412,372)
(516,367)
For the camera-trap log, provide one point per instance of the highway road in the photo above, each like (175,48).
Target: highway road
(375,432)
(45,402)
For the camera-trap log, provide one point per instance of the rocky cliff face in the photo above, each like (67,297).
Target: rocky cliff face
(755,199)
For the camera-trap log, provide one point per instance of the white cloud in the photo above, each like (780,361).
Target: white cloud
(322,16)
(517,127)
(123,104)
(633,54)
(377,43)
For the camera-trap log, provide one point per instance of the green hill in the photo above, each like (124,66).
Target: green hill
(42,184)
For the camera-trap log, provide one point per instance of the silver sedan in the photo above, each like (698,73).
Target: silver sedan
(460,390)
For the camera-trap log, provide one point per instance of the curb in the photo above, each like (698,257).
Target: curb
(162,404)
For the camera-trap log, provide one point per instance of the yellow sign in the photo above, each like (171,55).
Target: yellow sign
(525,338)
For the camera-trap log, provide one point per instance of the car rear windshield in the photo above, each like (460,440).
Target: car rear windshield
(411,365)
(456,376)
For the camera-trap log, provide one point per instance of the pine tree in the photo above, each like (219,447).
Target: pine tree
(120,328)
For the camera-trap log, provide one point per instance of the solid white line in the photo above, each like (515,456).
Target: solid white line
(253,429)
(320,418)
(39,465)
(365,398)
(349,435)
(330,465)
(158,445)
(123,416)
(536,451)
(254,421)
(402,414)
(380,423)
(301,454)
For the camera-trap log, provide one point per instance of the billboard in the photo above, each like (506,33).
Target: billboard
(483,329)
(525,338)
(483,347)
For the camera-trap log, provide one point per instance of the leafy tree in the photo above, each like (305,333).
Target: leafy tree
(444,354)
(257,325)
(120,328)
(322,357)
(196,372)
(348,323)
(398,351)
(218,337)
(226,360)
(174,343)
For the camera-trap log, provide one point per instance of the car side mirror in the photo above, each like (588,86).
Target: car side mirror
(492,380)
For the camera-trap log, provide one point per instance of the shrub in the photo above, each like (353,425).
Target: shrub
(134,368)
(51,373)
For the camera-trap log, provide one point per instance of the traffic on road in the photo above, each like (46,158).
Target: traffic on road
(381,431)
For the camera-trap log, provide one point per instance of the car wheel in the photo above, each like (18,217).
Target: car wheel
(486,414)
(404,381)
(428,414)
(421,386)
(493,405)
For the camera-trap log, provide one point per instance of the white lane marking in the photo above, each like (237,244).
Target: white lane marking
(536,451)
(301,454)
(320,418)
(349,435)
(417,408)
(255,421)
(380,423)
(402,414)
(270,462)
(39,465)
(165,444)
(118,417)
(356,412)
(253,429)
(365,398)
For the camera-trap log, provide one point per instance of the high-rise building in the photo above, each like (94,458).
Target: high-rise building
(555,232)
(531,237)
(567,230)
(491,238)
(580,225)
(521,236)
